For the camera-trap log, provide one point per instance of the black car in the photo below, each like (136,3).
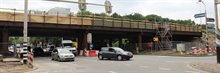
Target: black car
(114,53)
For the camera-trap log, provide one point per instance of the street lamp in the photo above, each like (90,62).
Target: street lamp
(206,24)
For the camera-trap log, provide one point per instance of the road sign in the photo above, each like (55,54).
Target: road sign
(108,6)
(155,39)
(210,20)
(199,15)
(82,5)
(211,30)
(211,25)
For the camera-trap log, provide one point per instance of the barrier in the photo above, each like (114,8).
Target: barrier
(30,60)
(196,51)
(92,53)
(192,50)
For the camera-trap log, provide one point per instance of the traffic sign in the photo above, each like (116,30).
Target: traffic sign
(211,25)
(155,39)
(210,20)
(199,15)
(82,5)
(108,6)
(211,30)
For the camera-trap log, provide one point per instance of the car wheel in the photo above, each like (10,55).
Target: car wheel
(73,59)
(120,57)
(100,57)
(59,59)
(52,58)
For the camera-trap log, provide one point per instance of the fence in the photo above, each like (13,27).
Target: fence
(153,47)
(57,18)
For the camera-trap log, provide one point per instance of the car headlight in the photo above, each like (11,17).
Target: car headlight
(62,56)
(125,53)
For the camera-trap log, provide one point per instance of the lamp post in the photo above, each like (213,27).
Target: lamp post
(217,38)
(25,32)
(206,24)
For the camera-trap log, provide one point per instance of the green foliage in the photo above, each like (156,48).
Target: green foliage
(154,18)
(116,15)
(135,16)
(138,16)
(84,13)
(15,40)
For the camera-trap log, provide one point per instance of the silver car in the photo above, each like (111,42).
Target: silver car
(62,55)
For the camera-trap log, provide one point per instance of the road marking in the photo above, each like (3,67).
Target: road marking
(167,69)
(112,72)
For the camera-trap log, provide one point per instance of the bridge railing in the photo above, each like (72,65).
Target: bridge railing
(58,18)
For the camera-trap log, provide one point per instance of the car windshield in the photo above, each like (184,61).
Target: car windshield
(119,49)
(67,46)
(64,51)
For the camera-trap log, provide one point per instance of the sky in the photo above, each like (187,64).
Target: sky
(173,9)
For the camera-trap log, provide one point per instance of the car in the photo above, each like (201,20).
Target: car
(68,44)
(38,51)
(114,53)
(62,55)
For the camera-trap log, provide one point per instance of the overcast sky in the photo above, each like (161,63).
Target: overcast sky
(174,9)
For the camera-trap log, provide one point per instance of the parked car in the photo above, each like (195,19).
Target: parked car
(62,55)
(114,53)
(38,51)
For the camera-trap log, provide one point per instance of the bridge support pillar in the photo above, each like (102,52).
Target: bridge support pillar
(120,43)
(83,43)
(4,41)
(139,44)
(110,42)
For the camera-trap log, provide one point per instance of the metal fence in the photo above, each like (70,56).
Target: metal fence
(153,47)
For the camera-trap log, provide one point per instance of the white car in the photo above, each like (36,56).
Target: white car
(62,55)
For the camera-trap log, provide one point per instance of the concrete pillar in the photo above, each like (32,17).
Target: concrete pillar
(120,43)
(83,43)
(139,44)
(4,42)
(110,42)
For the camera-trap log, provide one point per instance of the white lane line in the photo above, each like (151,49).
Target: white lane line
(167,69)
(112,72)
(191,72)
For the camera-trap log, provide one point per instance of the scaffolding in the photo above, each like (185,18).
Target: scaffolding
(165,37)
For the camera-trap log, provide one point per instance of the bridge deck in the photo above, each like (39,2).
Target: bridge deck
(17,16)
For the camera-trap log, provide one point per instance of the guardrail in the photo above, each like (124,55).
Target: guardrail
(70,19)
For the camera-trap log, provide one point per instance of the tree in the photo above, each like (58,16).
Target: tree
(116,15)
(154,18)
(84,13)
(135,16)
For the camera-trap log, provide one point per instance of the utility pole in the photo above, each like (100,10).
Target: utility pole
(25,32)
(206,25)
(217,37)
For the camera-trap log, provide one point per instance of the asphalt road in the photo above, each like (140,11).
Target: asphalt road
(138,64)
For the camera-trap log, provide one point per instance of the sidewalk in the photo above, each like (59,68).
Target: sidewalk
(211,67)
(11,60)
(13,65)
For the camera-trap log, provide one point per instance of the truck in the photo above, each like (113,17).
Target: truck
(68,44)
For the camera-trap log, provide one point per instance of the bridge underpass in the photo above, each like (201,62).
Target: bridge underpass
(98,36)
(102,28)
